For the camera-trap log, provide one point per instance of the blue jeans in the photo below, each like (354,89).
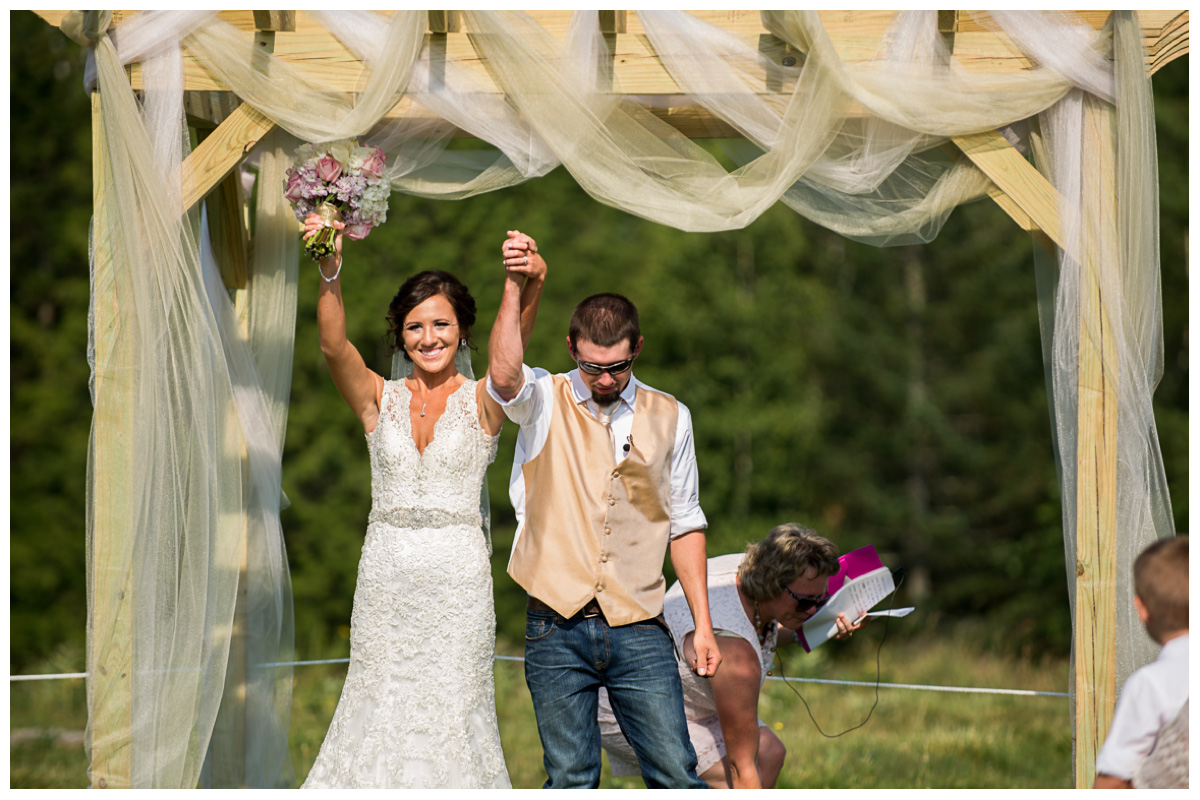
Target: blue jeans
(566,663)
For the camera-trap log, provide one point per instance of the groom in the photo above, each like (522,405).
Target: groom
(603,483)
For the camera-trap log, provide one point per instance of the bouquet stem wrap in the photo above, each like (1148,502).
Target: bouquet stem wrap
(321,245)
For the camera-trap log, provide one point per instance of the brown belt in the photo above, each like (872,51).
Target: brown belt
(592,609)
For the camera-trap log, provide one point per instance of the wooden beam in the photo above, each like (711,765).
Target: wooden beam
(274,20)
(207,110)
(1010,207)
(110,598)
(1096,459)
(1166,43)
(1016,177)
(221,152)
(614,21)
(445,21)
(855,34)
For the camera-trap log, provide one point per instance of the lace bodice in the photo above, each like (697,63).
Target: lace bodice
(418,707)
(441,486)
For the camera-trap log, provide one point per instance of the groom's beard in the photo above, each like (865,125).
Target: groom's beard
(606,399)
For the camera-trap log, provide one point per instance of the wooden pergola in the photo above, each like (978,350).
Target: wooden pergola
(229,129)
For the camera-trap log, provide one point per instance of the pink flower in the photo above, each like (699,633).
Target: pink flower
(329,169)
(294,191)
(357,231)
(373,166)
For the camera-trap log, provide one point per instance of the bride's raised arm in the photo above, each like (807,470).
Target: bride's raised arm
(361,388)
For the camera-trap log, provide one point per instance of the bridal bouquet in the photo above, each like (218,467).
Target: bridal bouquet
(339,181)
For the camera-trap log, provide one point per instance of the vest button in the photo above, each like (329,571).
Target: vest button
(604,557)
(616,474)
(599,588)
(608,530)
(612,501)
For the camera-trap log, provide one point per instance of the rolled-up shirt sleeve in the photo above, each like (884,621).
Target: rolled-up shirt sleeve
(524,405)
(686,514)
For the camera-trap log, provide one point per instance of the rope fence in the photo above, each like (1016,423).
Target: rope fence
(914,686)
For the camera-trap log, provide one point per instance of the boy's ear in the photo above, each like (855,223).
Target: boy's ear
(1142,612)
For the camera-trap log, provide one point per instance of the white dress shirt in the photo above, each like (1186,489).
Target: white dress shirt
(1151,698)
(531,409)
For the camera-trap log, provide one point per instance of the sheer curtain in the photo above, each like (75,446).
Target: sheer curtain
(859,148)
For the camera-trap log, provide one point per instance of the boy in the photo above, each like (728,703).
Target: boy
(1154,694)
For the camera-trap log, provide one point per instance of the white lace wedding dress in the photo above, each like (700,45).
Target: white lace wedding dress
(418,707)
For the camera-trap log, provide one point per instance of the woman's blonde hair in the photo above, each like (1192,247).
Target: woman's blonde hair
(786,553)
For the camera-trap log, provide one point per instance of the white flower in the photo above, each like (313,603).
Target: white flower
(306,152)
(374,201)
(341,150)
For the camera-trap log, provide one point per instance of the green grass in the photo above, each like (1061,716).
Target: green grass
(914,739)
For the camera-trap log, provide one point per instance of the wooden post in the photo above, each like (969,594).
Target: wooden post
(227,767)
(110,600)
(1096,462)
(226,761)
(227,230)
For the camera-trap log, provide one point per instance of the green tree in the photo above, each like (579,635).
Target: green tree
(50,408)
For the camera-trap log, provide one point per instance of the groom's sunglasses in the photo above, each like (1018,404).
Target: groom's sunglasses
(614,369)
(805,603)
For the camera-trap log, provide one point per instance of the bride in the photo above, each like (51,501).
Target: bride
(418,706)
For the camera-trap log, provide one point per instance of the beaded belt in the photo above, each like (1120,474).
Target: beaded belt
(424,518)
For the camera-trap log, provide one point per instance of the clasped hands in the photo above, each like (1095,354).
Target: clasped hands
(521,257)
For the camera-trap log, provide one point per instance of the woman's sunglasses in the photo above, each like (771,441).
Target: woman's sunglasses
(805,603)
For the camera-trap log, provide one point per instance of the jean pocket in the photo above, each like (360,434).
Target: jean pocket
(538,626)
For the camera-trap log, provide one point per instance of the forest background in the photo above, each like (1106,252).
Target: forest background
(893,397)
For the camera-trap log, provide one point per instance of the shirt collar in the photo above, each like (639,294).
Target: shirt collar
(1177,645)
(583,394)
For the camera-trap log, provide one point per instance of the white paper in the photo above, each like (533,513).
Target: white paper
(889,612)
(854,599)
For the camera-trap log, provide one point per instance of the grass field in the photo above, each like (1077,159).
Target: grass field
(914,738)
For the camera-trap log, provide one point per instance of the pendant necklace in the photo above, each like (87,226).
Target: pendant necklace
(423,408)
(768,653)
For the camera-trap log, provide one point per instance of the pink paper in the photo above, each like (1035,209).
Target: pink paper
(855,563)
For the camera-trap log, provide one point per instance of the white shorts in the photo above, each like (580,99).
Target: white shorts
(707,741)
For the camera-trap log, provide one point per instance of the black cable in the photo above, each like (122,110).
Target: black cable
(878,673)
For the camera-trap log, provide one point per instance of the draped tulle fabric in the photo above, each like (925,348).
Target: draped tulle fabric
(860,148)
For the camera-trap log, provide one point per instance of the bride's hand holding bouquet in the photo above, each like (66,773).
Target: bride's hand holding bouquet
(316,225)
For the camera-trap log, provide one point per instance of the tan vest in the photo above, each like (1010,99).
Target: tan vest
(595,528)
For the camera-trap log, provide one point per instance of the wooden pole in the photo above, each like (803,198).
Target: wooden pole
(110,600)
(1096,458)
(228,747)
(227,231)
(226,766)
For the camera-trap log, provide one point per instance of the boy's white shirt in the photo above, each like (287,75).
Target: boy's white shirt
(1150,699)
